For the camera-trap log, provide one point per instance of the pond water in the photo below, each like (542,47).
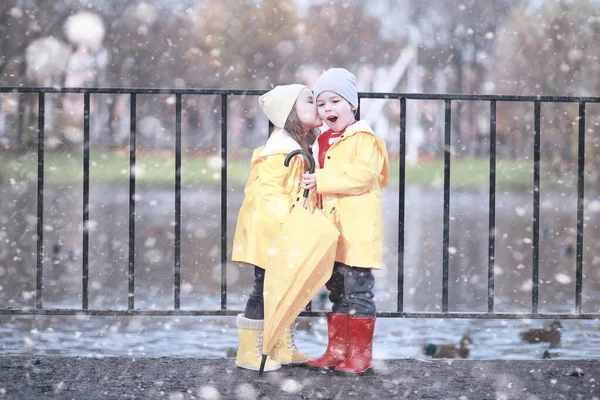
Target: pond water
(200,272)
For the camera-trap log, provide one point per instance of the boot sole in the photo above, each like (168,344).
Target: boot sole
(312,367)
(292,364)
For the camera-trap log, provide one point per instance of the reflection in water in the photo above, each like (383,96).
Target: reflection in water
(200,270)
(217,337)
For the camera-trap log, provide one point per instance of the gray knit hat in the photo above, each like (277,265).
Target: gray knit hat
(338,80)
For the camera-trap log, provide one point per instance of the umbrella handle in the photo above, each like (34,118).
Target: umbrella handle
(262,365)
(311,161)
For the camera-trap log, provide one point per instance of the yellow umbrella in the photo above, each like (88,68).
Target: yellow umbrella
(300,263)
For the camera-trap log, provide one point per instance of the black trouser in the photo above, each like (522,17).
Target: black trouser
(351,290)
(255,306)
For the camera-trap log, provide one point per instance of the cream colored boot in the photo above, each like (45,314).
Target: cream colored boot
(285,350)
(250,338)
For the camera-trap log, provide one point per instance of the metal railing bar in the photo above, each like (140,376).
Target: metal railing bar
(177,267)
(20,119)
(86,199)
(492,208)
(401,205)
(132,199)
(580,208)
(446,223)
(40,203)
(536,210)
(224,202)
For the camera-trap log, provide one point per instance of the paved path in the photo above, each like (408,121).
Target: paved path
(31,377)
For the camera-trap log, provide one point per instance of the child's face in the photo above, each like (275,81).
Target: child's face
(335,110)
(307,110)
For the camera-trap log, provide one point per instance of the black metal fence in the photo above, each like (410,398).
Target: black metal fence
(225,94)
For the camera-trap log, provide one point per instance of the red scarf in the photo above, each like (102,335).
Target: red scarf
(325,143)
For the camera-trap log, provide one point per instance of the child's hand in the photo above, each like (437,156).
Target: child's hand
(309,181)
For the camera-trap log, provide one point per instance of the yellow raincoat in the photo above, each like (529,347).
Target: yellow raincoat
(271,191)
(355,171)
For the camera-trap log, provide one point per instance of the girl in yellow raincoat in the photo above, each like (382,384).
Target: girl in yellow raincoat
(353,169)
(269,196)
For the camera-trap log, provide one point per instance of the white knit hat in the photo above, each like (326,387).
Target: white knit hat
(278,102)
(340,81)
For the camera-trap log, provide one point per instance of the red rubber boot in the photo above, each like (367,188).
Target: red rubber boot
(360,359)
(337,346)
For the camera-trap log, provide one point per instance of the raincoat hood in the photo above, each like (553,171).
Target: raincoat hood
(280,142)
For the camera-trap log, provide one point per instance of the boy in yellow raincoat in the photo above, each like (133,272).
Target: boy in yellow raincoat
(353,169)
(269,195)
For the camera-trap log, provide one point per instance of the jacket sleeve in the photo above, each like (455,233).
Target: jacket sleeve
(273,175)
(357,176)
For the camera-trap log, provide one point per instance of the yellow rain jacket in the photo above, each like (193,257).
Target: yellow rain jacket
(271,191)
(355,171)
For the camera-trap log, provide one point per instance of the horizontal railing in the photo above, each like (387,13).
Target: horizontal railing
(224,310)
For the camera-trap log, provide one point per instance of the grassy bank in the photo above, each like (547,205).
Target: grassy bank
(113,167)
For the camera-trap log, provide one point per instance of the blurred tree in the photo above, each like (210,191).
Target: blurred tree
(550,50)
(460,38)
(22,22)
(458,44)
(245,44)
(345,35)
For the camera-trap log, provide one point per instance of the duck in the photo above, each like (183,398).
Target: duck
(449,350)
(230,352)
(546,355)
(551,336)
(60,254)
